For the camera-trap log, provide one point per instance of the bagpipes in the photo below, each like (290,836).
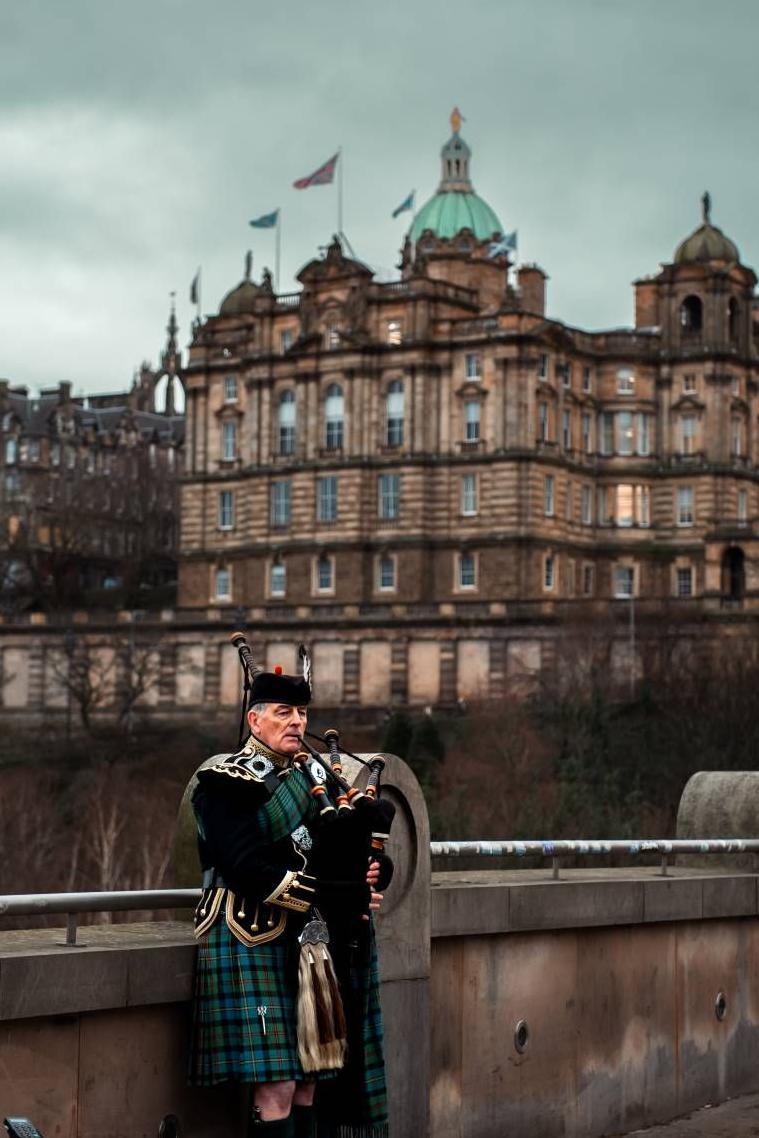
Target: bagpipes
(361,818)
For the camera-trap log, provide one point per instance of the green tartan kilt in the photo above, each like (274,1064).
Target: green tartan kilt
(232,982)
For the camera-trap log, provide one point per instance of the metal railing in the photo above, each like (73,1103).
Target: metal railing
(72,904)
(633,847)
(119,901)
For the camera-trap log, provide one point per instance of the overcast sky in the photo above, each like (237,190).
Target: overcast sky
(137,139)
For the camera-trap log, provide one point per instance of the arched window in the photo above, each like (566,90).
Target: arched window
(334,413)
(691,314)
(394,406)
(287,422)
(733,317)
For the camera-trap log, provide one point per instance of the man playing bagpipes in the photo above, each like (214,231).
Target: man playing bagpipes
(287,984)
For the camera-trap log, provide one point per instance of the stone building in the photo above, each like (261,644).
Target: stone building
(88,497)
(404,471)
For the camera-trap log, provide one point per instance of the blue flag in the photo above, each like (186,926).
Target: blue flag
(407,203)
(266,221)
(507,244)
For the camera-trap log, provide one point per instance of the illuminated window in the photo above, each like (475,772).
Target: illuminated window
(625,381)
(394,332)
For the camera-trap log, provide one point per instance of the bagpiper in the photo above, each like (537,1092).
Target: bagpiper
(287,983)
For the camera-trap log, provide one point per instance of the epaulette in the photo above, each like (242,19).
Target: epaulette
(246,764)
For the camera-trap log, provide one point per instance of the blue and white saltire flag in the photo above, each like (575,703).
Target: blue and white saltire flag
(266,220)
(407,203)
(507,244)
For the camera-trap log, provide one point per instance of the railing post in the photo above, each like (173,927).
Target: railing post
(71,928)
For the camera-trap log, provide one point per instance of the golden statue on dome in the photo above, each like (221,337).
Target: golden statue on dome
(456,120)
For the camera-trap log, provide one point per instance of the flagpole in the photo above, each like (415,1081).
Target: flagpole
(340,192)
(277,250)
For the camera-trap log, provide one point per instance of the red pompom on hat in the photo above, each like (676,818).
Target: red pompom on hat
(277,669)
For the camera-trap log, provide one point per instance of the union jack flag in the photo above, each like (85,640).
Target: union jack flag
(321,177)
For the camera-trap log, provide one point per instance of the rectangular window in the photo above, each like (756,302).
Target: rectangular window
(737,436)
(394,332)
(473,368)
(586,439)
(625,438)
(643,505)
(566,430)
(386,573)
(685,582)
(467,571)
(564,373)
(644,434)
(689,384)
(624,581)
(228,441)
(277,579)
(625,505)
(548,495)
(625,381)
(688,434)
(543,366)
(568,502)
(742,507)
(587,580)
(326,499)
(333,337)
(230,388)
(472,420)
(325,574)
(334,435)
(469,494)
(543,422)
(389,486)
(606,431)
(286,439)
(226,509)
(34,450)
(549,572)
(685,505)
(602,513)
(280,503)
(587,505)
(223,585)
(586,380)
(285,340)
(735,385)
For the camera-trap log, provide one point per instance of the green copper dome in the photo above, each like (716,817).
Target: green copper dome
(456,206)
(451,211)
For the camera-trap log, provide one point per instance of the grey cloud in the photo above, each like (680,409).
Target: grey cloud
(595,127)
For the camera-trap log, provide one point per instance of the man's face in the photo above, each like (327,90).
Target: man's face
(279,726)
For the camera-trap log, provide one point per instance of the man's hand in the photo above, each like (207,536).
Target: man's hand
(372,877)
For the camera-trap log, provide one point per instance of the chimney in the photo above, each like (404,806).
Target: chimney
(64,391)
(646,304)
(531,282)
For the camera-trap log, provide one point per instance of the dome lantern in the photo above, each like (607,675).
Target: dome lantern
(456,206)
